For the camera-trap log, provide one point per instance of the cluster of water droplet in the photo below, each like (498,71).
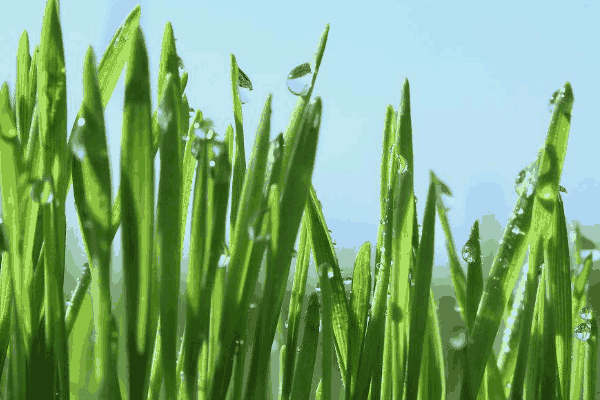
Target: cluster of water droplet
(584,329)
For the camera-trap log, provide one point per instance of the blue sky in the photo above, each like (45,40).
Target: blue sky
(480,74)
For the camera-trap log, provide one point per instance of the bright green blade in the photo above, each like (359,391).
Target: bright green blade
(137,207)
(292,204)
(168,242)
(420,300)
(293,324)
(239,166)
(323,251)
(358,316)
(307,355)
(169,238)
(472,255)
(92,192)
(508,260)
(23,107)
(52,108)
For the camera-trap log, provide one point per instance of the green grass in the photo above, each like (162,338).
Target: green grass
(383,336)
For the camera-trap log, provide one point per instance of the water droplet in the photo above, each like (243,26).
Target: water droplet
(252,305)
(517,231)
(196,125)
(586,313)
(348,281)
(457,309)
(244,86)
(330,273)
(318,289)
(459,340)
(211,163)
(467,253)
(254,227)
(41,191)
(402,166)
(320,326)
(299,79)
(196,147)
(583,331)
(595,254)
(410,278)
(223,261)
(164,119)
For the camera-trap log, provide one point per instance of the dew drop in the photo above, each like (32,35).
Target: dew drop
(467,254)
(299,79)
(330,273)
(318,289)
(583,331)
(223,261)
(196,147)
(164,119)
(211,163)
(41,191)
(348,281)
(517,231)
(459,340)
(253,305)
(586,313)
(244,86)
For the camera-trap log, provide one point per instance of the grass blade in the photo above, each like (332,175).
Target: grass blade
(137,204)
(239,169)
(298,291)
(304,371)
(324,253)
(169,230)
(92,192)
(117,54)
(420,301)
(559,285)
(243,274)
(508,260)
(292,203)
(52,103)
(168,242)
(22,103)
(359,310)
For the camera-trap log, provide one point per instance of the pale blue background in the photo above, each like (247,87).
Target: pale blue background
(480,74)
